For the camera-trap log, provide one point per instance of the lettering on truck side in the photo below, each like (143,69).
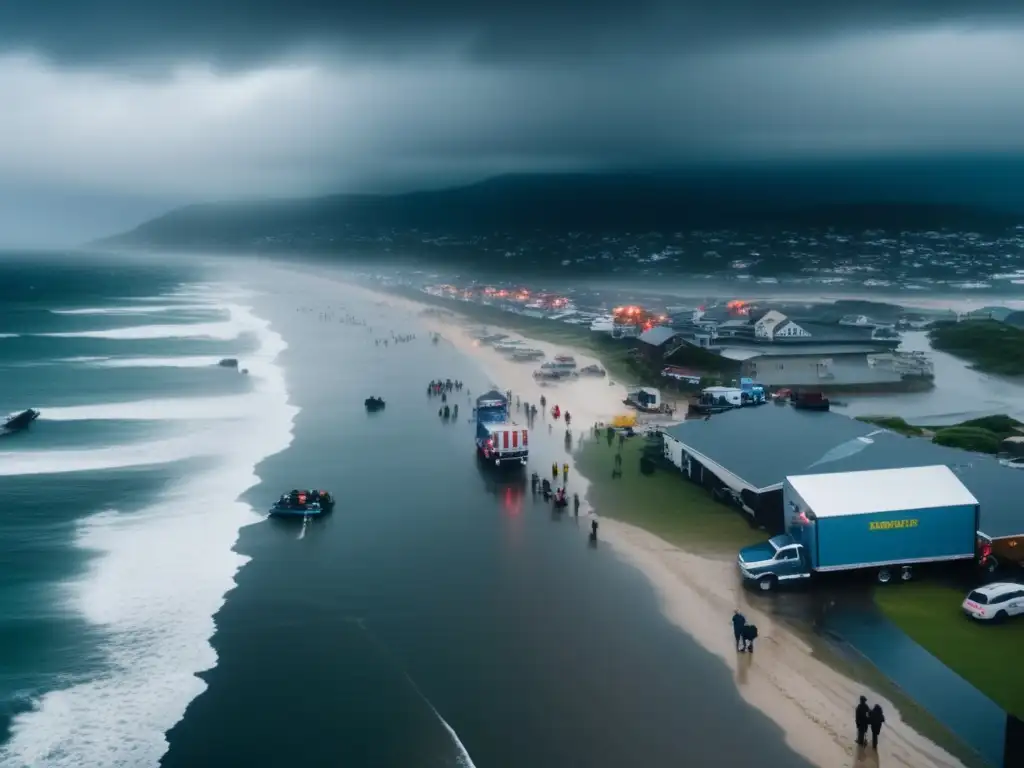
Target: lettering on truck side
(891,525)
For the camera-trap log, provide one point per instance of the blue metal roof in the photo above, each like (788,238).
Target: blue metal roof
(763,445)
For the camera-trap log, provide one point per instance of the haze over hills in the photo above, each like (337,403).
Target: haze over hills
(550,220)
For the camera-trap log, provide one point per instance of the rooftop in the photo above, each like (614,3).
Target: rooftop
(764,445)
(657,336)
(882,490)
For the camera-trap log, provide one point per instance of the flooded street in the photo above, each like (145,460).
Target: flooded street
(960,393)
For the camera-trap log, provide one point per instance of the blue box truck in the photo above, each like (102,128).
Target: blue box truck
(885,520)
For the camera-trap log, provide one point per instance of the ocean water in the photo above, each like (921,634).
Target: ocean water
(151,615)
(113,565)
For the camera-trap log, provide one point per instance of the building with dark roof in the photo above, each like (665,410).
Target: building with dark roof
(658,335)
(752,450)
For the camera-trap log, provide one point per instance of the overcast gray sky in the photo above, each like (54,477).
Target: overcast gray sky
(114,110)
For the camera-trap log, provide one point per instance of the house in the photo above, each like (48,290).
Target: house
(753,450)
(765,327)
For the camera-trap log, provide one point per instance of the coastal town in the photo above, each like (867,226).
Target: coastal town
(770,369)
(842,346)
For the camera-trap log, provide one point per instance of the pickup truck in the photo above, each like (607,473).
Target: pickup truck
(845,522)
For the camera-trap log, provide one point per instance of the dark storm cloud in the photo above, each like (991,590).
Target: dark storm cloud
(247,32)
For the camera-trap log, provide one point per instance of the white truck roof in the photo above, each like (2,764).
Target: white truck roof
(881,490)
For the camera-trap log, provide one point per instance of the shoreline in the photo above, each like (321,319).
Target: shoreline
(809,700)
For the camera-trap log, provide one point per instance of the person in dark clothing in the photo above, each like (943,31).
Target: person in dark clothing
(749,636)
(875,720)
(738,622)
(861,718)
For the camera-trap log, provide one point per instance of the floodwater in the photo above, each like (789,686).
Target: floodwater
(960,393)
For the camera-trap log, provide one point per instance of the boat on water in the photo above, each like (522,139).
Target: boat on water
(19,421)
(374,404)
(302,504)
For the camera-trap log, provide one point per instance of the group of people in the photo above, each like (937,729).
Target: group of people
(866,718)
(448,411)
(395,339)
(439,388)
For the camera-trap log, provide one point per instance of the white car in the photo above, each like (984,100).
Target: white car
(995,602)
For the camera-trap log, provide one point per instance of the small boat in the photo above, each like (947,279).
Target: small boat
(303,504)
(19,421)
(592,370)
(374,404)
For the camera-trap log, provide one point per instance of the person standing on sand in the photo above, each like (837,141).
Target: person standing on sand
(861,718)
(749,636)
(875,720)
(576,505)
(565,473)
(738,622)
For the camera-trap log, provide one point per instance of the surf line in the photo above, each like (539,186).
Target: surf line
(463,758)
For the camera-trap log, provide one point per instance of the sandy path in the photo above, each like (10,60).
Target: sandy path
(812,703)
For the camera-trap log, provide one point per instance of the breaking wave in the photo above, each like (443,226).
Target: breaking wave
(159,575)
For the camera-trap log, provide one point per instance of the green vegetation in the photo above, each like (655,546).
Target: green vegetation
(986,655)
(664,503)
(623,361)
(894,424)
(968,439)
(984,435)
(989,345)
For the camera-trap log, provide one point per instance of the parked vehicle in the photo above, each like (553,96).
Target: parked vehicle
(810,401)
(995,602)
(882,520)
(716,400)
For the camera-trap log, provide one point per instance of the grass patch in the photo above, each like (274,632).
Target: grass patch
(894,424)
(990,346)
(987,656)
(664,503)
(983,435)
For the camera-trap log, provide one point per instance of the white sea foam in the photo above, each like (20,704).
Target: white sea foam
(131,310)
(220,331)
(90,460)
(170,409)
(9,335)
(158,579)
(199,361)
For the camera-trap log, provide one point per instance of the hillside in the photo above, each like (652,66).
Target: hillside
(528,206)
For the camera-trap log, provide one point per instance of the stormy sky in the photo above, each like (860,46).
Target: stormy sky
(115,110)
